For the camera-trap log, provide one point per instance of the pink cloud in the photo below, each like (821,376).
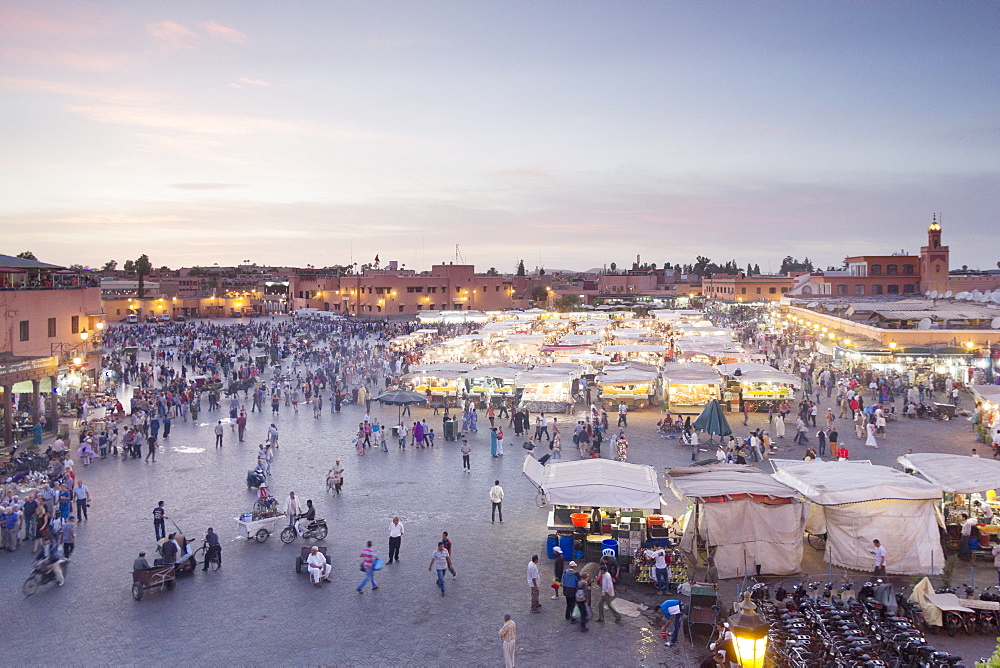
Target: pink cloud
(224,32)
(245,81)
(20,22)
(172,35)
(72,90)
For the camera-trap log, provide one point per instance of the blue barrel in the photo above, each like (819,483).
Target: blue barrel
(609,544)
(566,543)
(550,543)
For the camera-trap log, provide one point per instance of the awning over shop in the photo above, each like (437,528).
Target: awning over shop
(725,480)
(754,372)
(690,373)
(596,482)
(957,474)
(836,483)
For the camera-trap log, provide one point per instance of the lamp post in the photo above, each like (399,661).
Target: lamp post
(749,634)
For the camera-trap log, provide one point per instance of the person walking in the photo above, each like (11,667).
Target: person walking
(558,567)
(451,552)
(466,450)
(219,431)
(441,562)
(570,580)
(151,448)
(68,530)
(272,436)
(292,508)
(368,566)
(879,553)
(82,496)
(583,590)
(395,539)
(508,634)
(622,415)
(533,583)
(496,497)
(159,515)
(607,595)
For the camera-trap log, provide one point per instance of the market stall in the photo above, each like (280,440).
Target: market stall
(689,386)
(987,416)
(626,498)
(635,385)
(965,481)
(547,389)
(491,380)
(751,523)
(760,385)
(636,352)
(854,503)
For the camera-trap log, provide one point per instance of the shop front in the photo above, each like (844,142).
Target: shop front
(24,384)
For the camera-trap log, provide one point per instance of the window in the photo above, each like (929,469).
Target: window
(758,291)
(908,270)
(841,289)
(772,291)
(859,289)
(891,269)
(743,290)
(25,331)
(875,270)
(909,289)
(876,290)
(418,288)
(400,308)
(74,325)
(52,328)
(893,289)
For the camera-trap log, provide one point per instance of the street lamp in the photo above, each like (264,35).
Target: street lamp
(84,335)
(749,634)
(969,345)
(892,345)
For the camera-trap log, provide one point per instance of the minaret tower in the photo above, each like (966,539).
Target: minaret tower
(934,260)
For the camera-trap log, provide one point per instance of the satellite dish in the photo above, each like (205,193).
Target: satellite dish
(925,323)
(947,295)
(961,295)
(975,294)
(927,293)
(984,298)
(995,297)
(996,323)
(934,294)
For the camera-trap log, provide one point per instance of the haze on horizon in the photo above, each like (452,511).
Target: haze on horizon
(569,134)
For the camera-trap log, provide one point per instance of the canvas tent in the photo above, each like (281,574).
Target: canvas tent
(746,517)
(595,482)
(955,474)
(854,503)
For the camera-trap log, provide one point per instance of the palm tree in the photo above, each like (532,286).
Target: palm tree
(142,269)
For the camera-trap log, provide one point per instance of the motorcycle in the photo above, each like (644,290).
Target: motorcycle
(40,576)
(316,529)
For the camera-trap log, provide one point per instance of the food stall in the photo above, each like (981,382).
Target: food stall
(760,385)
(636,352)
(491,380)
(689,386)
(964,481)
(446,379)
(987,417)
(627,497)
(855,502)
(636,385)
(751,523)
(548,389)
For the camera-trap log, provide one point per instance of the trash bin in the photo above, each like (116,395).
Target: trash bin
(395,431)
(450,433)
(551,542)
(609,545)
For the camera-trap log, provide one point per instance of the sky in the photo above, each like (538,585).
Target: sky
(568,134)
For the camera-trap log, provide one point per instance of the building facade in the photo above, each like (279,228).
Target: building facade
(743,288)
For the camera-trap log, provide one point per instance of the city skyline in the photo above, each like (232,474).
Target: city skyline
(569,135)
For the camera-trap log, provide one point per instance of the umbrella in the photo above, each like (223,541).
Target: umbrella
(713,421)
(401,398)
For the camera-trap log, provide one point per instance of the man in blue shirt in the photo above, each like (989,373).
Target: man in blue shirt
(671,609)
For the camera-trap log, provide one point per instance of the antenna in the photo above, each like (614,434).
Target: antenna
(458,255)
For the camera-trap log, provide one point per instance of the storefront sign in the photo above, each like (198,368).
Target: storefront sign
(36,364)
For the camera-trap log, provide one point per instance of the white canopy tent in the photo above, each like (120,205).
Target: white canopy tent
(595,482)
(747,517)
(754,372)
(854,503)
(956,474)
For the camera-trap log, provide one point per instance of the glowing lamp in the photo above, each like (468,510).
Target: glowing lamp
(970,345)
(847,342)
(84,335)
(749,634)
(77,361)
(892,345)
(100,325)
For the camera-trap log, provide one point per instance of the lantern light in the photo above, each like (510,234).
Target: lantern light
(749,634)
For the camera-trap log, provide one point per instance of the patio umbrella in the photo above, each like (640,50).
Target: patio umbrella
(401,398)
(713,421)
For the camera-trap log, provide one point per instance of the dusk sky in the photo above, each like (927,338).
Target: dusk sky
(574,134)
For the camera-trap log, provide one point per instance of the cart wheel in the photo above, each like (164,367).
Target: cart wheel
(287,535)
(30,586)
(261,536)
(169,584)
(321,533)
(298,565)
(137,591)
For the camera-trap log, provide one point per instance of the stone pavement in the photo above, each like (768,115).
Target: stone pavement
(256,610)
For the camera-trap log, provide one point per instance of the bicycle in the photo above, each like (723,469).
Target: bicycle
(817,541)
(214,560)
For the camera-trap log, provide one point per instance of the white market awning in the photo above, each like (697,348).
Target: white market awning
(596,482)
(957,474)
(837,483)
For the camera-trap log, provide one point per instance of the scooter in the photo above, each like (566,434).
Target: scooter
(40,576)
(316,529)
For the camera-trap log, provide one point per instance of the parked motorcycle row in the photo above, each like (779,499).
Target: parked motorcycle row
(816,625)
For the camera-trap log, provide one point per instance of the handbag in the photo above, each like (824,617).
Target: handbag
(576,612)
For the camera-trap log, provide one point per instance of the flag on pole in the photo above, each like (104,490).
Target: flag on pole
(376,259)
